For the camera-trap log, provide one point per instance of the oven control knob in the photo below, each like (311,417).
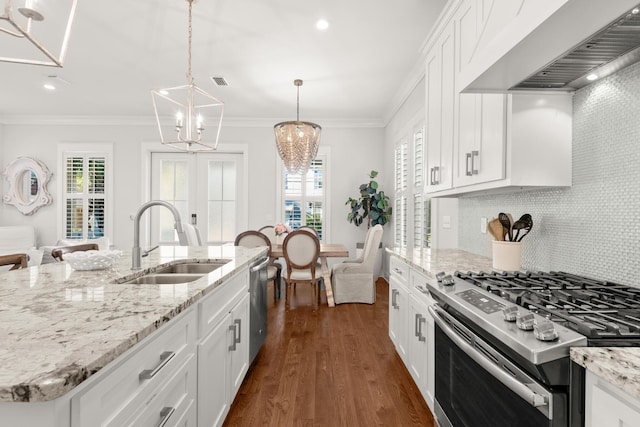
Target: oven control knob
(525,321)
(510,313)
(440,276)
(545,331)
(448,280)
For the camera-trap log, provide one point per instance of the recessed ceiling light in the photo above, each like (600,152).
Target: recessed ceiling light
(164,92)
(592,77)
(49,86)
(322,24)
(635,11)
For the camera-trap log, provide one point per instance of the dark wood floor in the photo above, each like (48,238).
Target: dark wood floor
(333,367)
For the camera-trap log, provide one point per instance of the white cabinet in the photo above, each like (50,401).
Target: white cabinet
(223,352)
(480,137)
(411,327)
(159,372)
(607,405)
(399,306)
(421,357)
(440,109)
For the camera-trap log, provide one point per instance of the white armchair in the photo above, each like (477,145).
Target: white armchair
(352,280)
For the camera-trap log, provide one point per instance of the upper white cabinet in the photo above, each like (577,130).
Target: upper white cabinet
(489,141)
(440,111)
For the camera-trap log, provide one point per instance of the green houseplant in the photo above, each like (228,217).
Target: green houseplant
(372,205)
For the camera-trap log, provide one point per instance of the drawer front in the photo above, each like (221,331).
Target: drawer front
(399,270)
(168,405)
(218,303)
(130,379)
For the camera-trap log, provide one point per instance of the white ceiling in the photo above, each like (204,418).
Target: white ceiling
(120,49)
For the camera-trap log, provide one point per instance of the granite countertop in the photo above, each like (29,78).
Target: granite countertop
(432,261)
(59,326)
(619,366)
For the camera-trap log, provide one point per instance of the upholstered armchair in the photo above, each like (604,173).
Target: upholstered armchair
(352,280)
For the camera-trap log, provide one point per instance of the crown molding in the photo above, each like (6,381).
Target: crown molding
(151,121)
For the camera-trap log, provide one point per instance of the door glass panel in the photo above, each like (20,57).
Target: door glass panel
(222,201)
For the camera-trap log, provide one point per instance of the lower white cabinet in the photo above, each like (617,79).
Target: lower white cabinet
(411,328)
(398,314)
(223,360)
(421,358)
(607,405)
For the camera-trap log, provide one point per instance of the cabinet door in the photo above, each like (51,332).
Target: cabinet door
(398,309)
(418,344)
(239,349)
(440,111)
(606,405)
(213,375)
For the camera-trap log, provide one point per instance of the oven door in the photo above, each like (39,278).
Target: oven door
(477,386)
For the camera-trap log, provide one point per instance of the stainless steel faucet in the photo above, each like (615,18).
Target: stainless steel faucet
(136,253)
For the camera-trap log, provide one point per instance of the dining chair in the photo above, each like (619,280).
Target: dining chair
(270,232)
(352,280)
(16,261)
(57,253)
(252,239)
(301,250)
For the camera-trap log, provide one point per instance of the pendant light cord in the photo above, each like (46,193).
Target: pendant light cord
(298,105)
(189,76)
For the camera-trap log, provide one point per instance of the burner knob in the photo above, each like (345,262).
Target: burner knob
(525,321)
(545,331)
(510,313)
(448,280)
(440,276)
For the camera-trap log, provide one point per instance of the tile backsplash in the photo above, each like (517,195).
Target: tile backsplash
(592,228)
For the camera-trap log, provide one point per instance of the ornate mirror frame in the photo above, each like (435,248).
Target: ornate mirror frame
(39,177)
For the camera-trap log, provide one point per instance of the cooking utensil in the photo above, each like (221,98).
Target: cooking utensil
(496,229)
(528,225)
(506,224)
(519,225)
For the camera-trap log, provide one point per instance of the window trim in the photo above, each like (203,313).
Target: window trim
(323,151)
(67,149)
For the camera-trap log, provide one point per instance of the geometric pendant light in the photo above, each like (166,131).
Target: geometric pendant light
(188,118)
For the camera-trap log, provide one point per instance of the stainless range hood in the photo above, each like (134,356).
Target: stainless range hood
(551,44)
(604,53)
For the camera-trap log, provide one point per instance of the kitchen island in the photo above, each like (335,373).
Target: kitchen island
(60,327)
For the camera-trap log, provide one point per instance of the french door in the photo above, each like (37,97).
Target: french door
(207,190)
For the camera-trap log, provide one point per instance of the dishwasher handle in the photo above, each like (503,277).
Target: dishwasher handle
(260,265)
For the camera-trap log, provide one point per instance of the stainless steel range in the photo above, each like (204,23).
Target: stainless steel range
(503,340)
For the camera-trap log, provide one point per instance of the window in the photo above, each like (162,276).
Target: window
(304,197)
(421,203)
(86,202)
(400,203)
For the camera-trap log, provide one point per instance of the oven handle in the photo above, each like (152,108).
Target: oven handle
(521,389)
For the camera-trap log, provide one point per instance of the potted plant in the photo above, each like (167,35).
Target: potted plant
(372,205)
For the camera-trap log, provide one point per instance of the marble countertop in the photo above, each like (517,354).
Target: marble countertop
(432,261)
(619,366)
(59,326)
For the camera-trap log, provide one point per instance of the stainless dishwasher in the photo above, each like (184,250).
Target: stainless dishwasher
(258,310)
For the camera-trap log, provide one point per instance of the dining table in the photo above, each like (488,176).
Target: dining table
(327,250)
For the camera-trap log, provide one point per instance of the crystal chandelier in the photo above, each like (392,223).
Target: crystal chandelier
(189,119)
(37,22)
(297,141)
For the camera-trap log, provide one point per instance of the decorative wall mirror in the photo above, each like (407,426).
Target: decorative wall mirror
(28,180)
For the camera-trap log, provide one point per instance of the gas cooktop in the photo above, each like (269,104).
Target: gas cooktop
(606,313)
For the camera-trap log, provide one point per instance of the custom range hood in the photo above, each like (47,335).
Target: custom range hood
(554,45)
(609,50)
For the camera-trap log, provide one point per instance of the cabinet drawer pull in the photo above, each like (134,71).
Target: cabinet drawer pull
(468,160)
(474,155)
(239,323)
(394,293)
(165,414)
(165,357)
(421,319)
(397,270)
(436,179)
(416,325)
(232,328)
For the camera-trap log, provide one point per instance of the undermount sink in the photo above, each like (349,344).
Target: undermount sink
(193,267)
(179,272)
(163,279)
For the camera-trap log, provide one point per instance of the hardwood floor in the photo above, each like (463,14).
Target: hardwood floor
(334,367)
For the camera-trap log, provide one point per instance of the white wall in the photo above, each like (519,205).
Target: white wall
(354,152)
